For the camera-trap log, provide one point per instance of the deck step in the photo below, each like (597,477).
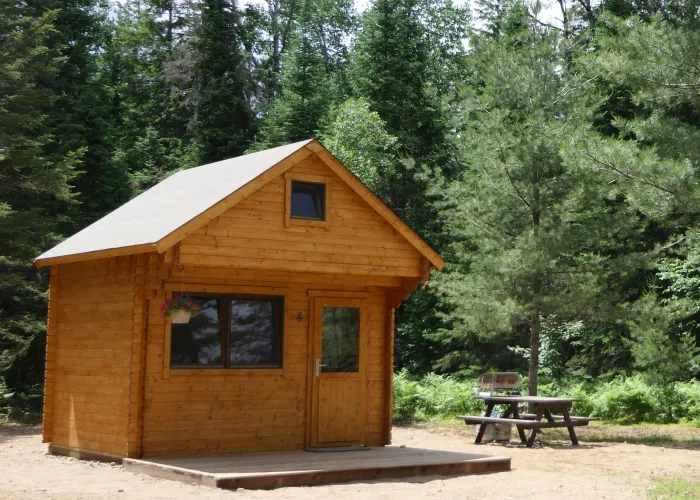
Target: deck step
(267,470)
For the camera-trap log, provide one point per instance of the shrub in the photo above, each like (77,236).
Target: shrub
(629,400)
(5,400)
(432,396)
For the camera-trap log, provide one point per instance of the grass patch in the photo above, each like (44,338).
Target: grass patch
(675,489)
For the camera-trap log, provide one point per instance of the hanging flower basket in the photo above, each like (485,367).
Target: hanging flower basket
(179,309)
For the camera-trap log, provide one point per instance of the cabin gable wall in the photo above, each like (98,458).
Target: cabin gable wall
(255,234)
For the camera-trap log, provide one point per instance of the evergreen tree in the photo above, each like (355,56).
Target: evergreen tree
(404,61)
(34,192)
(223,122)
(655,159)
(296,114)
(389,67)
(150,125)
(83,112)
(312,73)
(532,223)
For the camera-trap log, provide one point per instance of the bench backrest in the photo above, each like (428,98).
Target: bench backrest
(499,381)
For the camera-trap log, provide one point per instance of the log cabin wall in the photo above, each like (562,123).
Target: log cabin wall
(91,323)
(189,411)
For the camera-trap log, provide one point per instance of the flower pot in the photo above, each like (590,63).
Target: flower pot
(180,317)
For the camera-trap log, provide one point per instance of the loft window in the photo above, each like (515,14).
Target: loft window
(308,201)
(232,331)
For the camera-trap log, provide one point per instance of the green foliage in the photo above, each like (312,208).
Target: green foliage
(297,112)
(35,193)
(5,398)
(631,400)
(432,396)
(621,400)
(358,138)
(151,132)
(223,122)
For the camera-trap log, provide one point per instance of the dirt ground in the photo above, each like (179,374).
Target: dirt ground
(552,470)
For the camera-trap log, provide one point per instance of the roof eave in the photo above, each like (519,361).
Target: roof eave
(40,262)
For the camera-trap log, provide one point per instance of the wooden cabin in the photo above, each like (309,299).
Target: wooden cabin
(298,269)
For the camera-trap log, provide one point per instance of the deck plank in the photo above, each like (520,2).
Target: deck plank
(266,470)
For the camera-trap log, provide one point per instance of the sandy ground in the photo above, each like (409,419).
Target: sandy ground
(549,471)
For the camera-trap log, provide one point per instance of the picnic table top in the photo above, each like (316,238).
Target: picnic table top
(543,400)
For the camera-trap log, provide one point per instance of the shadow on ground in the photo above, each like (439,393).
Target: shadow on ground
(9,431)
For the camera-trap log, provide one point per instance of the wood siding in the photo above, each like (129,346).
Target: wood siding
(253,234)
(218,410)
(90,340)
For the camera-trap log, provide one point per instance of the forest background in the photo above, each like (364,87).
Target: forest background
(552,159)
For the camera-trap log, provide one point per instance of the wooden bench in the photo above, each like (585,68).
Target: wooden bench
(526,423)
(532,416)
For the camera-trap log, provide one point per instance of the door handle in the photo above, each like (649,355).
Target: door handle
(318,366)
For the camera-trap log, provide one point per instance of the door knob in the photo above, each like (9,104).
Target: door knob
(318,366)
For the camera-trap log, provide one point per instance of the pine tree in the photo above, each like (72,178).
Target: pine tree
(312,73)
(296,114)
(150,125)
(404,61)
(535,223)
(34,192)
(389,67)
(83,113)
(223,123)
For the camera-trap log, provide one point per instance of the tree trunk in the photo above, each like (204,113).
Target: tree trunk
(536,293)
(534,357)
(169,33)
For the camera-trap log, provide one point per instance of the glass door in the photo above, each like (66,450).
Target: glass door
(339,372)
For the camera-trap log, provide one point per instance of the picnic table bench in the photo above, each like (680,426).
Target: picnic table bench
(531,421)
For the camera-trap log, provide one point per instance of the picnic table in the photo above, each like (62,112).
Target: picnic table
(535,421)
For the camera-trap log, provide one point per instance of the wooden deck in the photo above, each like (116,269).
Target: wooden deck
(266,470)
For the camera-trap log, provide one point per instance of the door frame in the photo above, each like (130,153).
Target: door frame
(352,299)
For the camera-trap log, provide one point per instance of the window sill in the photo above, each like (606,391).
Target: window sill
(226,372)
(308,223)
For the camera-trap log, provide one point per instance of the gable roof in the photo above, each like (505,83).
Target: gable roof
(162,216)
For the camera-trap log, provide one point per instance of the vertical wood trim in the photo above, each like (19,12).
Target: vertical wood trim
(329,204)
(311,374)
(50,364)
(364,368)
(315,347)
(389,365)
(287,201)
(138,347)
(166,343)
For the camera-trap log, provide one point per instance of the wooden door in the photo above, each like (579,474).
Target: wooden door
(339,372)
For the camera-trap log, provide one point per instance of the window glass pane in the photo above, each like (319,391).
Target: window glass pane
(253,340)
(198,342)
(341,334)
(308,200)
